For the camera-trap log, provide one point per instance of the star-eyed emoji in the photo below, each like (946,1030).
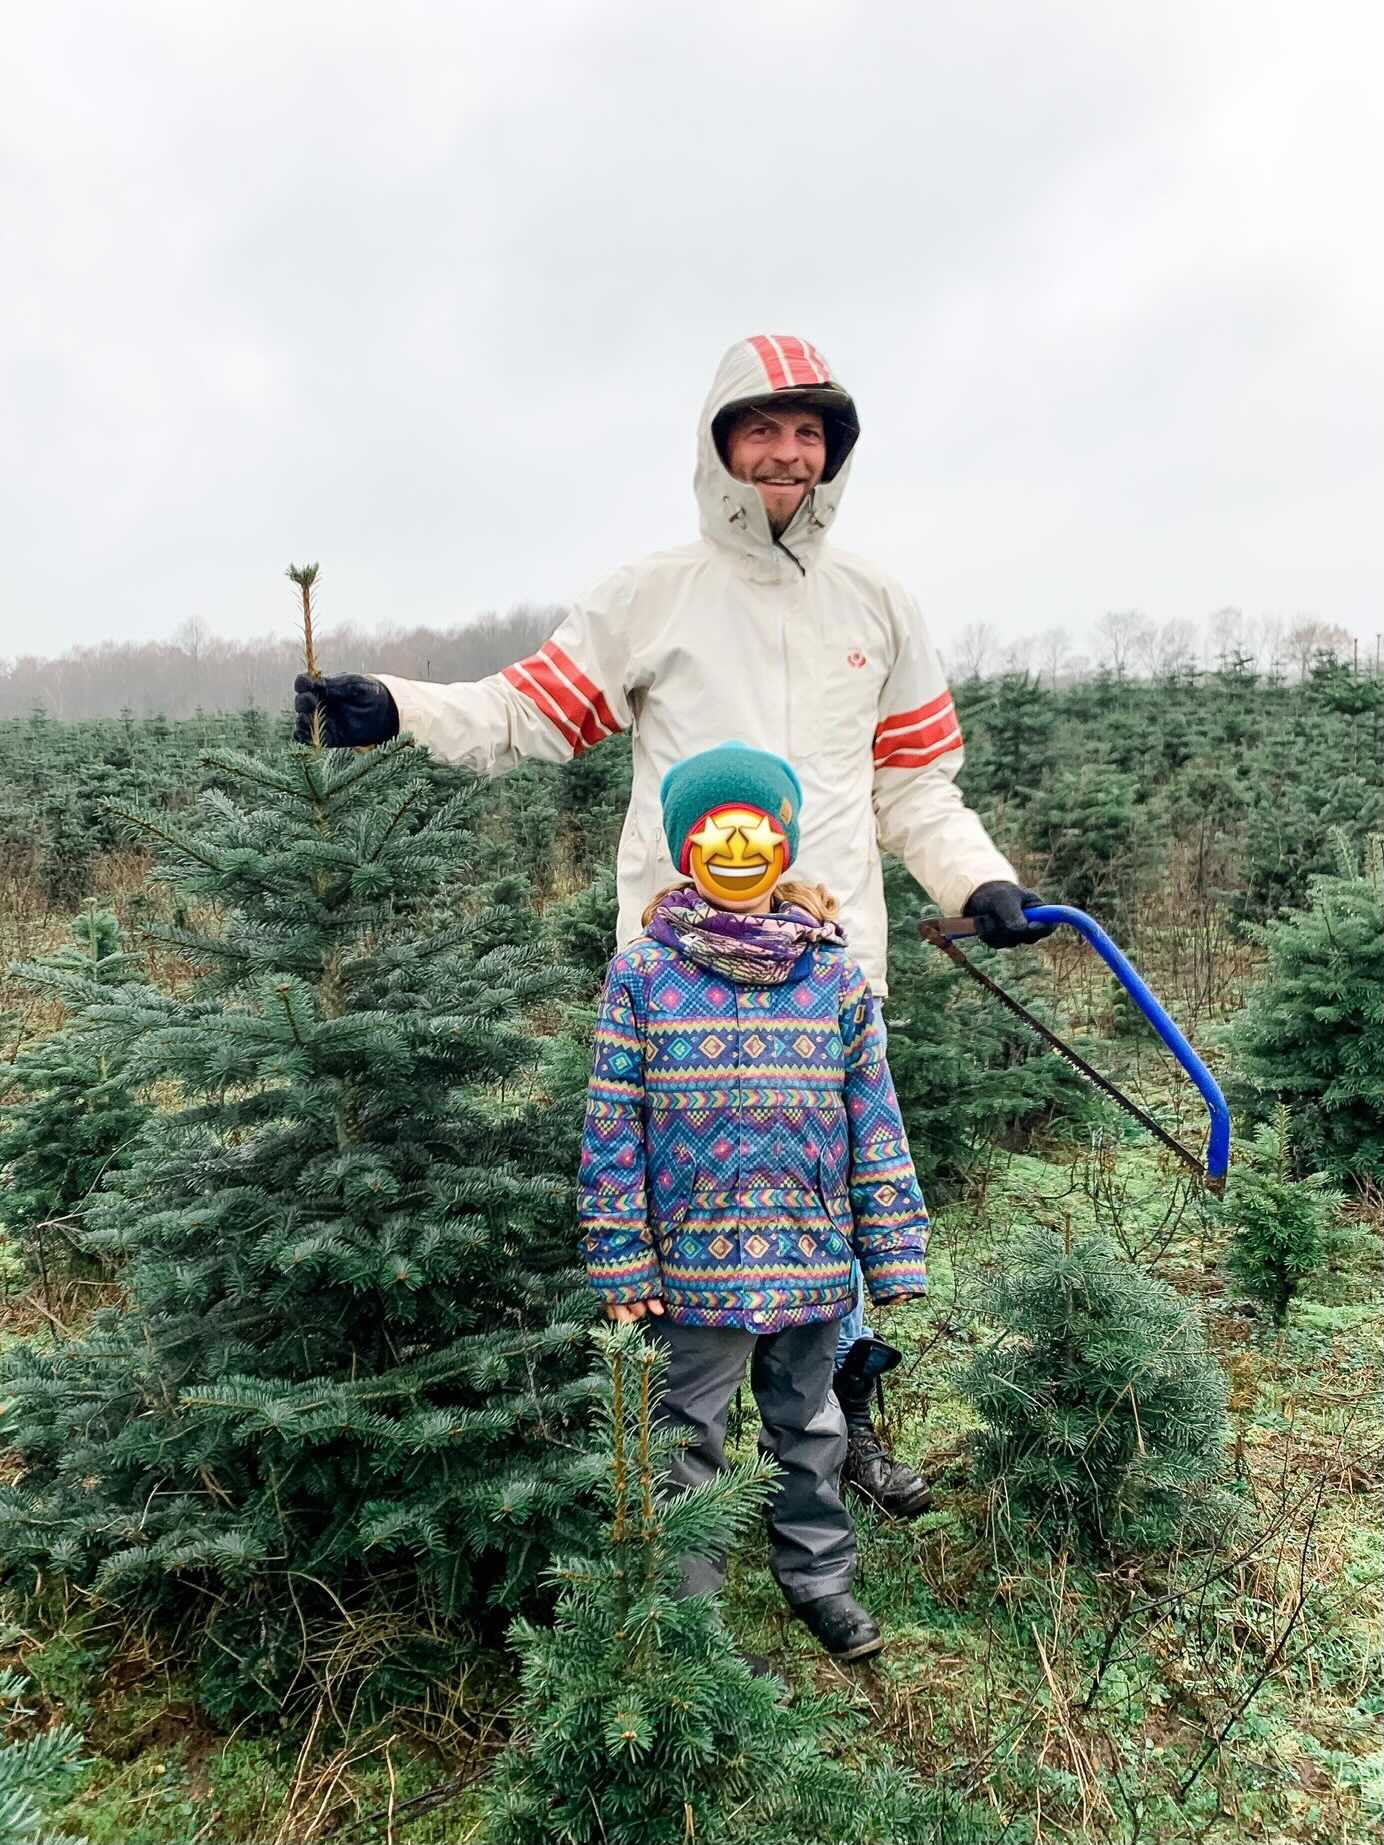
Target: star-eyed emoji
(738,855)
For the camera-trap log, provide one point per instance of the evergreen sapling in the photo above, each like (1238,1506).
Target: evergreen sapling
(36,1771)
(583,926)
(1281,1225)
(638,1723)
(75,1114)
(1103,1414)
(1311,1035)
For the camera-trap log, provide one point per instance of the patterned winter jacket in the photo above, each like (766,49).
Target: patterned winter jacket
(741,1142)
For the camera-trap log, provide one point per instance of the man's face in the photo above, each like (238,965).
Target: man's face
(782,450)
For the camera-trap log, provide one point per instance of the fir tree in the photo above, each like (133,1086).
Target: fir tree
(349,1370)
(36,1771)
(66,852)
(1311,1035)
(76,1115)
(1103,1413)
(1011,744)
(1090,838)
(639,1724)
(499,912)
(521,819)
(583,926)
(593,795)
(1282,1225)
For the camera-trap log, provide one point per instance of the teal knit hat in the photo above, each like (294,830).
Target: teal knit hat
(731,775)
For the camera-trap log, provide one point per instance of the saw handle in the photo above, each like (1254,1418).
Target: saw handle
(1218,1143)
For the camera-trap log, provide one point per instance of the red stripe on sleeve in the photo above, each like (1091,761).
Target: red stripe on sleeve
(918,759)
(520,679)
(773,365)
(589,690)
(571,703)
(906,720)
(921,735)
(918,736)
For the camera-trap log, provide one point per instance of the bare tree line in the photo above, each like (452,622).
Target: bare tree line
(197,670)
(1130,644)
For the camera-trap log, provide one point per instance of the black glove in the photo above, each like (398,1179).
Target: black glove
(998,908)
(355,710)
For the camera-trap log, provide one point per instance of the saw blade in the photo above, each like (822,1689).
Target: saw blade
(932,934)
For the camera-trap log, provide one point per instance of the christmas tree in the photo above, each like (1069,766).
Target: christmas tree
(74,1116)
(1088,836)
(349,1372)
(639,1724)
(36,1770)
(583,926)
(1311,1035)
(1281,1225)
(1103,1413)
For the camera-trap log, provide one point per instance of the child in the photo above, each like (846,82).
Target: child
(742,1141)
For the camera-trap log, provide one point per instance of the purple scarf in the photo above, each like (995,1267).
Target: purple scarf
(756,951)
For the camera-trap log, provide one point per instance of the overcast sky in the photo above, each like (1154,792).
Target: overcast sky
(433,292)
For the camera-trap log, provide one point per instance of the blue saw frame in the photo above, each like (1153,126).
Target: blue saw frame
(1218,1142)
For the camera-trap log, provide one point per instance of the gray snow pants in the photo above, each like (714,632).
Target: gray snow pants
(811,1537)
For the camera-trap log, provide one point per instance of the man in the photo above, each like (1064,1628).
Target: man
(760,630)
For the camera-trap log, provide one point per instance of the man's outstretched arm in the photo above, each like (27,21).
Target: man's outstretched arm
(552,705)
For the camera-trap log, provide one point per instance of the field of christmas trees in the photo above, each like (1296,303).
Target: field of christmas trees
(328,1512)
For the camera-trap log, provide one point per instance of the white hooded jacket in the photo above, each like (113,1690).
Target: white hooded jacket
(791,646)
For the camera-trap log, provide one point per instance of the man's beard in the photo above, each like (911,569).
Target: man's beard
(780,522)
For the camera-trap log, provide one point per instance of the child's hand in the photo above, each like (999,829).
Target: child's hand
(634,1311)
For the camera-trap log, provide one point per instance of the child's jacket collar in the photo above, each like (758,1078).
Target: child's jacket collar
(750,950)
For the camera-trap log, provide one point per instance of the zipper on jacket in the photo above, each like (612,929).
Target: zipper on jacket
(787,658)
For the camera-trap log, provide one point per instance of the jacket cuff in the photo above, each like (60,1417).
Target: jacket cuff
(620,1284)
(894,1273)
(993,868)
(393,687)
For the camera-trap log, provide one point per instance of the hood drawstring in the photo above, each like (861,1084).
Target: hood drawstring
(802,567)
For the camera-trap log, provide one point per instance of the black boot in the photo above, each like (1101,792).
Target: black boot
(843,1627)
(890,1485)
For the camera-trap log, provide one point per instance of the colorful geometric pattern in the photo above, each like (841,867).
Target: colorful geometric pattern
(756,951)
(742,1143)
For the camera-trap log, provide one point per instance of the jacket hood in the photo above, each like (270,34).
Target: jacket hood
(755,370)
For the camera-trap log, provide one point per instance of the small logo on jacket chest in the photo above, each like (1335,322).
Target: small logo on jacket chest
(856,658)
